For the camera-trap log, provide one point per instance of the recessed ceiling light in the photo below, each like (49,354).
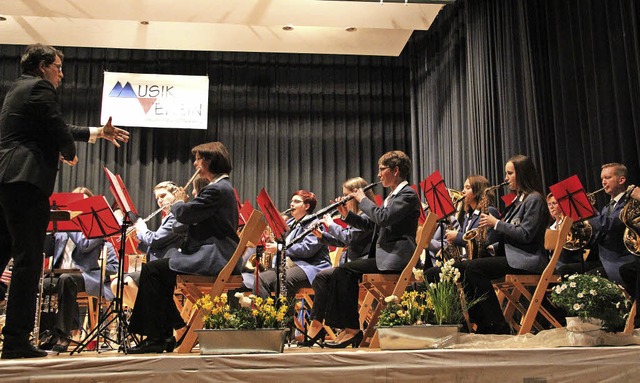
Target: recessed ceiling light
(144,22)
(287,28)
(351,29)
(2,18)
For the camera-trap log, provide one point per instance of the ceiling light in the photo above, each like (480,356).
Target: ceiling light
(3,18)
(351,29)
(287,27)
(144,22)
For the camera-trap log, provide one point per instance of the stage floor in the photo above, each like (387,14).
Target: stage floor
(565,364)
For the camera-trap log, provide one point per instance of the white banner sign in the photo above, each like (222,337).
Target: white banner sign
(155,101)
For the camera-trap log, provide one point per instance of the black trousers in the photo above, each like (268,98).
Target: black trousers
(67,287)
(343,307)
(477,277)
(155,313)
(323,288)
(24,215)
(296,280)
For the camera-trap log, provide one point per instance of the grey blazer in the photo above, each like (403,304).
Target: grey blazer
(523,228)
(211,239)
(395,224)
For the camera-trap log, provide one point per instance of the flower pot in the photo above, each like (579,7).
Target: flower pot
(584,332)
(231,341)
(417,337)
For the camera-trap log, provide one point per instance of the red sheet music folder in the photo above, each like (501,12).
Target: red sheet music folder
(437,195)
(272,215)
(572,198)
(61,201)
(97,219)
(120,192)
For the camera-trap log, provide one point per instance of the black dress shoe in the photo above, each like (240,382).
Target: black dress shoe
(149,346)
(317,339)
(170,344)
(49,342)
(62,345)
(354,342)
(25,351)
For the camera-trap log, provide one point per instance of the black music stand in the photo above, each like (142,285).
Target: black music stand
(96,221)
(279,227)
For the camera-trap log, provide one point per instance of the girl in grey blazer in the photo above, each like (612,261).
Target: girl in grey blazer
(520,249)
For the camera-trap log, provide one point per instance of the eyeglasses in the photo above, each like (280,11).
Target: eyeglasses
(382,168)
(296,201)
(59,66)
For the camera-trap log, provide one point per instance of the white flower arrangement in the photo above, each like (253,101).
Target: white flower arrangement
(589,296)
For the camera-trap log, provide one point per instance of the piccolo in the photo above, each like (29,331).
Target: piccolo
(334,205)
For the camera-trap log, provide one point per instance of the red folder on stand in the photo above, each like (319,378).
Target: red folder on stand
(61,201)
(120,192)
(97,219)
(278,226)
(572,199)
(437,195)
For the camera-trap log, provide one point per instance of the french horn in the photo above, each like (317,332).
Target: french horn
(630,216)
(581,231)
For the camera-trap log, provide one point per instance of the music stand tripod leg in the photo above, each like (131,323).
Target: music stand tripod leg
(115,311)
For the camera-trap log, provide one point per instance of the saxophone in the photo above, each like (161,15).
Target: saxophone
(477,238)
(630,216)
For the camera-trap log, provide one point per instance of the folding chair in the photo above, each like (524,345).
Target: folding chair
(515,288)
(194,287)
(380,286)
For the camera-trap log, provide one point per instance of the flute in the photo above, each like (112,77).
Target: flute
(335,205)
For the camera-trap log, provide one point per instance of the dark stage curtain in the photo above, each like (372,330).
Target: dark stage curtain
(290,121)
(556,80)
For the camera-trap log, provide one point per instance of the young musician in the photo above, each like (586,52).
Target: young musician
(74,251)
(212,219)
(475,187)
(608,227)
(156,243)
(395,224)
(305,258)
(358,243)
(521,250)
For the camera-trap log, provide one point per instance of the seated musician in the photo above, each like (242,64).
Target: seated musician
(74,251)
(395,224)
(358,244)
(608,228)
(305,258)
(520,251)
(475,194)
(156,243)
(571,261)
(212,219)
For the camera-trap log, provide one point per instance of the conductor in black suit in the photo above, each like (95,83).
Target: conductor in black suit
(33,139)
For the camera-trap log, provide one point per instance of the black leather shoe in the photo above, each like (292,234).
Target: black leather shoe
(62,345)
(25,351)
(317,339)
(49,342)
(354,342)
(149,346)
(170,344)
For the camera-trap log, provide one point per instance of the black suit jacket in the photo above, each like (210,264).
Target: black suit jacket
(33,134)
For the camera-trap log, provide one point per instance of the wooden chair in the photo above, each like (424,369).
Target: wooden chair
(515,288)
(195,286)
(380,286)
